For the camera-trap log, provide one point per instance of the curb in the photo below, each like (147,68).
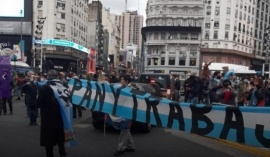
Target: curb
(262,152)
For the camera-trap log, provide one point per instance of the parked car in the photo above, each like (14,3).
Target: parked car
(98,117)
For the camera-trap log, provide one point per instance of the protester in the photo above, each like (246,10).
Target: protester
(227,94)
(193,90)
(257,95)
(52,121)
(9,98)
(176,88)
(113,78)
(125,141)
(31,89)
(214,85)
(75,107)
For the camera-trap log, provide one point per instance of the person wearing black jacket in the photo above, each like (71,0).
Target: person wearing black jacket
(31,89)
(52,127)
(113,78)
(193,89)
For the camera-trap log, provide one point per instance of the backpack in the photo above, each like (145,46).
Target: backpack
(177,84)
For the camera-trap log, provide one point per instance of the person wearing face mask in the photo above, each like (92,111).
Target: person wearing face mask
(30,89)
(227,94)
(214,86)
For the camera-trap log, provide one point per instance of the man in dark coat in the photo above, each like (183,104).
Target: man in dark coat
(113,78)
(52,129)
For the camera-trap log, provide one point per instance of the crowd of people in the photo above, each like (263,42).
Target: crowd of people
(223,89)
(38,101)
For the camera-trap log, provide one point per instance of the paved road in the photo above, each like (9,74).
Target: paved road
(18,139)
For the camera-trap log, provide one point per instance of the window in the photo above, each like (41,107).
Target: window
(171,60)
(194,36)
(162,61)
(224,60)
(227,26)
(207,25)
(155,61)
(228,10)
(216,24)
(217,10)
(184,36)
(182,61)
(226,35)
(163,35)
(63,16)
(156,36)
(148,61)
(206,35)
(40,2)
(192,62)
(215,34)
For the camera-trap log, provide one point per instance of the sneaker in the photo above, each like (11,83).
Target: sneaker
(5,113)
(118,153)
(31,124)
(129,150)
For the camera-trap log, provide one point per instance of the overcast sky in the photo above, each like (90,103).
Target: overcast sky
(118,6)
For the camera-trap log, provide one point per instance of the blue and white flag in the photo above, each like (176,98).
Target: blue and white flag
(62,94)
(246,125)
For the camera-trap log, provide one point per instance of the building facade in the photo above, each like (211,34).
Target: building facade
(173,36)
(230,32)
(65,21)
(262,16)
(130,23)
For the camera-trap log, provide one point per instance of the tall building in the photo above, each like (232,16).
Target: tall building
(173,36)
(65,23)
(112,49)
(130,23)
(231,30)
(96,31)
(262,19)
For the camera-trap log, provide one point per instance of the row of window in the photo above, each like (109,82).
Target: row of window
(225,60)
(171,61)
(173,36)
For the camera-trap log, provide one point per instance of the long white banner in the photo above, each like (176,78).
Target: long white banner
(246,125)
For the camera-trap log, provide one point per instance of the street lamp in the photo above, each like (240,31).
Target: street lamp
(38,42)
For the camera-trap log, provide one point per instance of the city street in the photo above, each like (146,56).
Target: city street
(18,139)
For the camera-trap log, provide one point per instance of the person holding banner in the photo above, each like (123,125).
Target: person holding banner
(125,141)
(56,115)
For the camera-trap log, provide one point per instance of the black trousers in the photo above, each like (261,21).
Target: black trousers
(75,109)
(49,150)
(9,100)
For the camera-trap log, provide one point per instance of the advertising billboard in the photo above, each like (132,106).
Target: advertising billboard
(16,10)
(12,8)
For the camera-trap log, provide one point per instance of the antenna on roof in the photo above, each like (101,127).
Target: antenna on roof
(126,5)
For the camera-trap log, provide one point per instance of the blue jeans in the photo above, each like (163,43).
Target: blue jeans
(193,100)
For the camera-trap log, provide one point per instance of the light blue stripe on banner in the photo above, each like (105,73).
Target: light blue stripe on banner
(212,121)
